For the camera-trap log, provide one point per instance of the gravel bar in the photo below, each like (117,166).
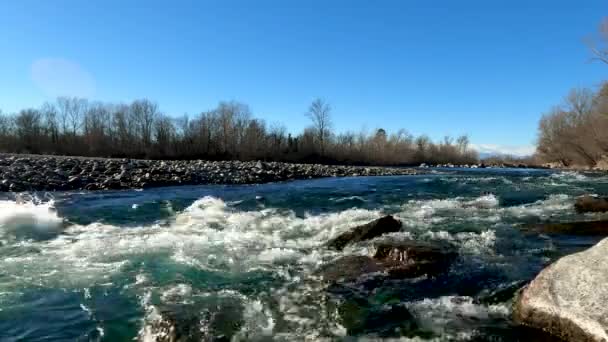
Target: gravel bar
(53,173)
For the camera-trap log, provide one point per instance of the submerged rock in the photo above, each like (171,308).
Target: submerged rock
(568,298)
(407,259)
(386,224)
(591,204)
(350,268)
(172,329)
(501,294)
(393,320)
(588,228)
(188,323)
(403,259)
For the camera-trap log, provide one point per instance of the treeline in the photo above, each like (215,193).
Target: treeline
(512,161)
(77,127)
(575,133)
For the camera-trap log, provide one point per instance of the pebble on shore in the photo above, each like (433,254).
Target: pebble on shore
(52,173)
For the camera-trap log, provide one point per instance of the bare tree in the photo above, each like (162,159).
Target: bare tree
(52,126)
(143,113)
(164,133)
(319,113)
(28,125)
(576,132)
(599,47)
(74,126)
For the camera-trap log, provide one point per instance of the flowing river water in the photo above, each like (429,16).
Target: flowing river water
(238,262)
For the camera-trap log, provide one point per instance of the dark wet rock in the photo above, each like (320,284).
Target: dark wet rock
(36,173)
(582,228)
(74,180)
(189,323)
(392,320)
(407,259)
(386,224)
(512,333)
(591,204)
(500,294)
(350,268)
(397,260)
(567,299)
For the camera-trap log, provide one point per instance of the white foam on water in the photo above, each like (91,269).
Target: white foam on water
(28,219)
(442,313)
(101,332)
(426,214)
(554,204)
(477,180)
(258,320)
(302,307)
(211,235)
(208,235)
(176,293)
(488,201)
(570,176)
(152,316)
(347,198)
(428,208)
(468,242)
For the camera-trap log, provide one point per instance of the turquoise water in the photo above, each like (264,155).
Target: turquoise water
(238,262)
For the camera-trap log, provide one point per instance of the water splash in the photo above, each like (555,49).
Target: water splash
(28,217)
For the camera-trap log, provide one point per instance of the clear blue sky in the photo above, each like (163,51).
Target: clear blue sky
(486,68)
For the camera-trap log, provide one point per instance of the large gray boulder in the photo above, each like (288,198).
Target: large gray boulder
(569,299)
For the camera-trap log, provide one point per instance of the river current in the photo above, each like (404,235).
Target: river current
(238,262)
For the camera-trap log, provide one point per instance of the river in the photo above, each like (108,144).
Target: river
(238,262)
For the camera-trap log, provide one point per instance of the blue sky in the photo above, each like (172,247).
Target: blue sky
(485,68)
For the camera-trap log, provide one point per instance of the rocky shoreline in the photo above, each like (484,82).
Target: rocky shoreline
(53,173)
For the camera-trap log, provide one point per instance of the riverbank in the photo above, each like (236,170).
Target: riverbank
(57,173)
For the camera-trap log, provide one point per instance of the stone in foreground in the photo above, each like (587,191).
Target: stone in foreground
(569,299)
(386,224)
(591,204)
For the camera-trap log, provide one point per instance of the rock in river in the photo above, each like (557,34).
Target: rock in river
(569,298)
(386,224)
(349,268)
(188,322)
(402,259)
(591,204)
(581,228)
(406,259)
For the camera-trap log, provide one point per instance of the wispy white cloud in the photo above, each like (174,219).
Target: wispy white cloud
(62,77)
(513,150)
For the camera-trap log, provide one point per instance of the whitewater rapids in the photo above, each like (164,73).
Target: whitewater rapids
(237,250)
